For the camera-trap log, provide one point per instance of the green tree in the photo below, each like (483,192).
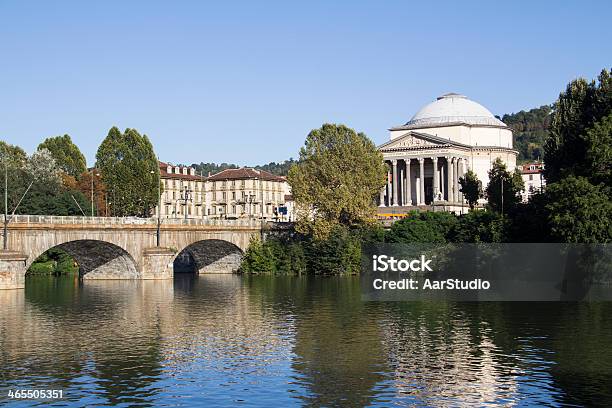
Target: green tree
(578,109)
(599,151)
(480,226)
(529,221)
(279,169)
(67,155)
(424,227)
(14,155)
(258,258)
(40,173)
(14,160)
(212,168)
(339,253)
(512,184)
(130,172)
(579,211)
(336,180)
(471,188)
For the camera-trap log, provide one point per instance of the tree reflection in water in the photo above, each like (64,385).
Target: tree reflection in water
(295,341)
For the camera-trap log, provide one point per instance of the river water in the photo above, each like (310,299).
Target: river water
(293,341)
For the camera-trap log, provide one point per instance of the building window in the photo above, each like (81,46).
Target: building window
(530,177)
(233,195)
(224,196)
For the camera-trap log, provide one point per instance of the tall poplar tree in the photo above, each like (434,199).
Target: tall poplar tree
(577,110)
(130,171)
(66,154)
(579,163)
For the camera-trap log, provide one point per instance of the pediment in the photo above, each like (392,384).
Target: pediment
(413,140)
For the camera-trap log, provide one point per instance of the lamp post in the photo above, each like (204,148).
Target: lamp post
(250,201)
(185,197)
(93,173)
(502,195)
(4,242)
(157,235)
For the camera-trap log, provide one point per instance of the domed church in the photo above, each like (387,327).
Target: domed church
(427,155)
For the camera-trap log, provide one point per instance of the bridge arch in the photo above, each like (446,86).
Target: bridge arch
(210,256)
(97,259)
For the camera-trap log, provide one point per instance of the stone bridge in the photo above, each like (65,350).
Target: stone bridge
(125,248)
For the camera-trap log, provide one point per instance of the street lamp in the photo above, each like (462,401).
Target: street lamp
(186,195)
(158,206)
(92,189)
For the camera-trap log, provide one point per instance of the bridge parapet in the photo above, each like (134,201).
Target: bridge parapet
(79,220)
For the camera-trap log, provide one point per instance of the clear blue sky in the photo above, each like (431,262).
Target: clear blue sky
(244,82)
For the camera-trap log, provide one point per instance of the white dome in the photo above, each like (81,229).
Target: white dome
(453,108)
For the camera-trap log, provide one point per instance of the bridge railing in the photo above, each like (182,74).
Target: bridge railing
(57,219)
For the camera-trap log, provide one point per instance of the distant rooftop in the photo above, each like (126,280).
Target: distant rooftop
(177,172)
(245,173)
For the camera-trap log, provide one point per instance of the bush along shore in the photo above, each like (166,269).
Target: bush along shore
(54,262)
(289,252)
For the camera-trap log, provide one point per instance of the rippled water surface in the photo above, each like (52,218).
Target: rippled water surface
(262,341)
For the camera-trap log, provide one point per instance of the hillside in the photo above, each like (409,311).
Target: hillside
(279,169)
(530,130)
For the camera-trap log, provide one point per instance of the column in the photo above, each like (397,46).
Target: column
(388,204)
(394,162)
(449,178)
(382,197)
(435,178)
(421,181)
(408,183)
(404,181)
(442,186)
(456,179)
(402,197)
(461,173)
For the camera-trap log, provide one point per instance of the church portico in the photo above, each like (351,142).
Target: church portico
(423,180)
(428,155)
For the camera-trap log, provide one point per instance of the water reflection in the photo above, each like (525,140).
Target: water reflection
(219,340)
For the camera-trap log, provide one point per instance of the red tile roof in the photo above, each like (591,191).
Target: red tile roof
(524,169)
(536,171)
(245,173)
